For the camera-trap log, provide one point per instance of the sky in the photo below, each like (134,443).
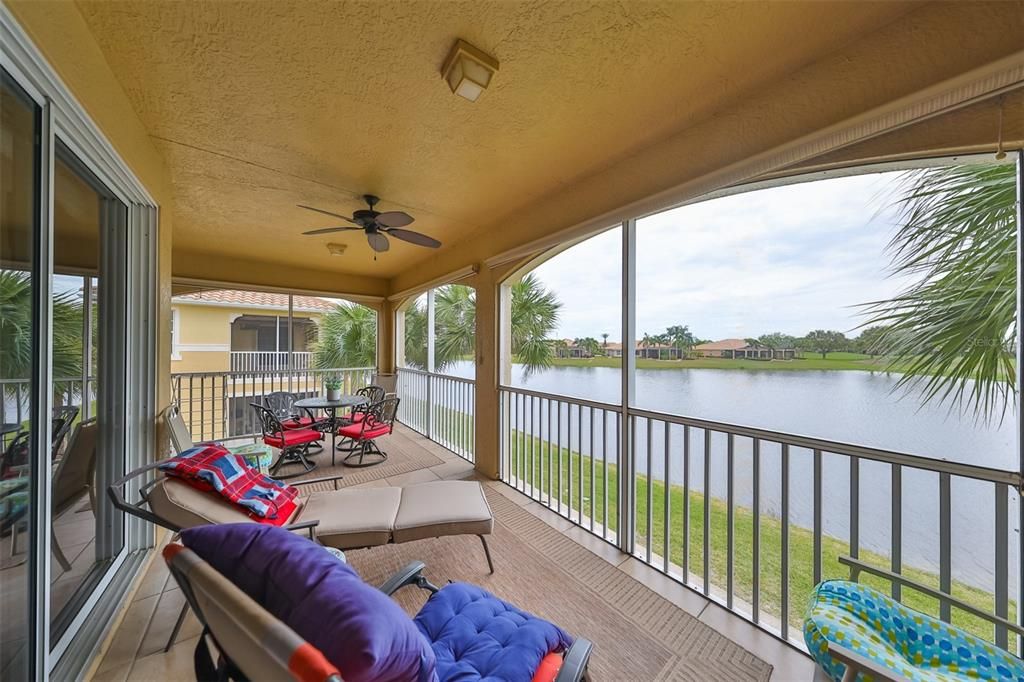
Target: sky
(788,259)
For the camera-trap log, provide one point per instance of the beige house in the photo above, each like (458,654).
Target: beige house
(742,349)
(242,331)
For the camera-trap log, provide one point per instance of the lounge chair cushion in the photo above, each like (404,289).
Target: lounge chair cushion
(476,636)
(184,506)
(357,627)
(359,517)
(430,510)
(912,644)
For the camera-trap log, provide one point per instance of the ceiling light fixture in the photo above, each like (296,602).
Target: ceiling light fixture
(337,249)
(468,70)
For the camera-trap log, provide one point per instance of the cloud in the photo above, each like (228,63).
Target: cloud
(788,259)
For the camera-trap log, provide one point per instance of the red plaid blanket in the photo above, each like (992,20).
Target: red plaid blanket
(211,467)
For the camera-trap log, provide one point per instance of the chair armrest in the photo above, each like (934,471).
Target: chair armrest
(410,574)
(303,525)
(575,661)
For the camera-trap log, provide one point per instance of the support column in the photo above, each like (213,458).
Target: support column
(488,361)
(627,470)
(390,337)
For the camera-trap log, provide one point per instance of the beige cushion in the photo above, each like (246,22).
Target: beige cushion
(360,517)
(430,510)
(185,506)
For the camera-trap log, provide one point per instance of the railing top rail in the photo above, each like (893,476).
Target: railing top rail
(440,375)
(973,471)
(250,372)
(25,381)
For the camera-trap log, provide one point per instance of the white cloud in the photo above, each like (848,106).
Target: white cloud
(789,259)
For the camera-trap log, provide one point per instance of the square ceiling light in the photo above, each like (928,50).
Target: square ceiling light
(468,70)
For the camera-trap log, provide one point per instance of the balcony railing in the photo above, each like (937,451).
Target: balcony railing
(754,518)
(217,404)
(441,407)
(14,397)
(268,361)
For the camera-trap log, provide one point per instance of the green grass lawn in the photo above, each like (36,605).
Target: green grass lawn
(529,460)
(833,361)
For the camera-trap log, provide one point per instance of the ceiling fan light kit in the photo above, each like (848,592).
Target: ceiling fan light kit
(376,225)
(468,70)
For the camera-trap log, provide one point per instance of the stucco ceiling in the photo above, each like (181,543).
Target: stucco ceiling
(260,106)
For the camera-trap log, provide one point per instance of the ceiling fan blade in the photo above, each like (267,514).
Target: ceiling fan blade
(378,242)
(395,219)
(414,238)
(320,210)
(326,230)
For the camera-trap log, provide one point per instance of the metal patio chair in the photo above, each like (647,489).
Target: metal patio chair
(378,420)
(294,444)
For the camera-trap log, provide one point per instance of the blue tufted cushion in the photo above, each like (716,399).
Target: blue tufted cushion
(915,645)
(477,636)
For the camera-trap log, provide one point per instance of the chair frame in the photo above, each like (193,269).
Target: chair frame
(271,427)
(382,412)
(67,415)
(285,409)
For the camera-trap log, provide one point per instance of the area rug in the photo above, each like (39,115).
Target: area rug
(637,634)
(407,451)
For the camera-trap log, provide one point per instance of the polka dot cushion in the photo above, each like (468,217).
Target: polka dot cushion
(913,645)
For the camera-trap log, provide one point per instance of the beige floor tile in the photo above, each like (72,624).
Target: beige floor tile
(509,492)
(164,617)
(379,483)
(603,549)
(453,469)
(124,646)
(155,579)
(175,666)
(418,476)
(549,517)
(789,665)
(118,674)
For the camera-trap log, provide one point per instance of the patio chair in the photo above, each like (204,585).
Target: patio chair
(378,420)
(294,444)
(14,461)
(461,632)
(856,632)
(61,421)
(282,404)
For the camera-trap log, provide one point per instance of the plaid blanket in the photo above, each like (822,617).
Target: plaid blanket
(210,466)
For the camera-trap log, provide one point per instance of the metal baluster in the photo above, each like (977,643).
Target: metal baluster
(686,504)
(854,507)
(945,543)
(755,597)
(817,516)
(667,449)
(225,419)
(897,527)
(650,489)
(550,453)
(730,521)
(707,512)
(579,464)
(604,475)
(534,446)
(568,432)
(785,542)
(558,449)
(593,472)
(1002,573)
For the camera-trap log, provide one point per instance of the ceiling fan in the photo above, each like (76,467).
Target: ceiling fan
(377,226)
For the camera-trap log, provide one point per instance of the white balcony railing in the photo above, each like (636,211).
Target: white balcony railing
(441,407)
(754,518)
(272,361)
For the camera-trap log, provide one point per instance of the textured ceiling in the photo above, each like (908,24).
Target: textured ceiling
(260,106)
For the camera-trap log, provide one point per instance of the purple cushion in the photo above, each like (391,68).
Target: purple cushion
(357,627)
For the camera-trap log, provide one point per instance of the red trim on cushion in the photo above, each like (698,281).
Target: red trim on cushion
(171,551)
(308,664)
(548,668)
(294,437)
(284,512)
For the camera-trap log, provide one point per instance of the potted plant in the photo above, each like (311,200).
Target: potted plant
(333,387)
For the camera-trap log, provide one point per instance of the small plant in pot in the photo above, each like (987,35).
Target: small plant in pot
(333,387)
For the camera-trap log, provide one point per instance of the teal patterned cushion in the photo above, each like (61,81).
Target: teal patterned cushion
(910,643)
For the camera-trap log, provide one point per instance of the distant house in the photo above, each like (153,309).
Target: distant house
(743,350)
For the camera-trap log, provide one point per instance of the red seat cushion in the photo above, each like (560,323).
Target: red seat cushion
(356,417)
(292,438)
(356,431)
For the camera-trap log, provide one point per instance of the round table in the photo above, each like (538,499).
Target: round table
(331,408)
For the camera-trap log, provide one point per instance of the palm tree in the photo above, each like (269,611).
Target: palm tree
(454,324)
(347,337)
(951,332)
(604,341)
(534,317)
(589,345)
(16,330)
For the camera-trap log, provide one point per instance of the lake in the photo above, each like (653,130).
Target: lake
(850,406)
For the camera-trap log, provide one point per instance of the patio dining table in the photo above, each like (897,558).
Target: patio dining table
(333,422)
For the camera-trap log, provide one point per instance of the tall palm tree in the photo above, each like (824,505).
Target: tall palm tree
(951,332)
(454,324)
(16,329)
(534,317)
(347,337)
